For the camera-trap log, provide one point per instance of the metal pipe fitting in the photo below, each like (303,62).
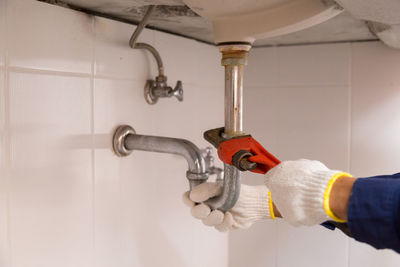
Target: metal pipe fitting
(126,140)
(234,57)
(141,26)
(154,89)
(154,52)
(133,41)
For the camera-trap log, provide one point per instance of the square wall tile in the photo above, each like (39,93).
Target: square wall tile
(47,37)
(51,171)
(375,65)
(364,255)
(375,130)
(255,246)
(313,65)
(210,72)
(2,117)
(262,68)
(2,31)
(121,102)
(295,123)
(115,58)
(202,109)
(180,58)
(310,246)
(4,245)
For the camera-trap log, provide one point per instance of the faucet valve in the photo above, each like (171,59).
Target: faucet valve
(154,89)
(178,91)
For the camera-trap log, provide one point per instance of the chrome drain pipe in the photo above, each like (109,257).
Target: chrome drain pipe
(126,140)
(234,58)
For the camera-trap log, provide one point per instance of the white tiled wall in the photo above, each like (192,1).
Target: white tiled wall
(68,79)
(65,199)
(335,103)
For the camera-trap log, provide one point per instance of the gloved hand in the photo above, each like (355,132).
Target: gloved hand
(301,189)
(253,205)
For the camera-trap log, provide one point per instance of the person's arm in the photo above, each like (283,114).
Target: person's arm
(340,196)
(371,207)
(308,193)
(374,211)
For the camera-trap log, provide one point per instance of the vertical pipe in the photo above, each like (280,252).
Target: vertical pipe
(233,59)
(233,100)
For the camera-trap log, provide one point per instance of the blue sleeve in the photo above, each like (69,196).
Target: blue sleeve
(374,211)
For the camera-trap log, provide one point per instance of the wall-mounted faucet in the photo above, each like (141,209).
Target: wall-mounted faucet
(154,89)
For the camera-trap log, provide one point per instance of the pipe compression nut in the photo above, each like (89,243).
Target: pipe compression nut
(196,178)
(191,176)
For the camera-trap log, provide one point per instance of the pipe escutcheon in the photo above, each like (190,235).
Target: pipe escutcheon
(120,135)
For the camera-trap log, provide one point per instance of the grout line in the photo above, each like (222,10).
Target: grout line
(350,132)
(117,78)
(75,74)
(92,84)
(350,99)
(258,87)
(317,43)
(276,239)
(7,138)
(91,75)
(50,72)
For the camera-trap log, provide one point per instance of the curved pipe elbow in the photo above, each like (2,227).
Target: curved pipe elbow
(155,54)
(126,140)
(197,172)
(230,190)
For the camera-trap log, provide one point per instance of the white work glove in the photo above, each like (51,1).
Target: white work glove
(253,205)
(300,190)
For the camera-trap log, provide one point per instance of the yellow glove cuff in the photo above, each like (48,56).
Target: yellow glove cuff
(271,206)
(327,195)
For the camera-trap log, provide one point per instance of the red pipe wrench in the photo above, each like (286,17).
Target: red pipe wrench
(243,152)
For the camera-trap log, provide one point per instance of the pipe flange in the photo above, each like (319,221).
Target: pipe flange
(120,134)
(148,92)
(234,46)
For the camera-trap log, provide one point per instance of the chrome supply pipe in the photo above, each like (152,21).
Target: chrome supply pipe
(154,52)
(141,26)
(157,88)
(234,58)
(134,44)
(126,140)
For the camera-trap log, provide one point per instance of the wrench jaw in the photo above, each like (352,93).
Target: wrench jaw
(240,159)
(214,136)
